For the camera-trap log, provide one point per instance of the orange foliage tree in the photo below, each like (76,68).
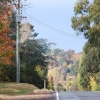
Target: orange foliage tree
(6,44)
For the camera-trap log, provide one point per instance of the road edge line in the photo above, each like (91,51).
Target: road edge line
(57,96)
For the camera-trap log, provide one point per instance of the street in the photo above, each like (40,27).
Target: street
(86,95)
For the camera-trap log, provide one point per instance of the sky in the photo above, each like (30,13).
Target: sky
(52,20)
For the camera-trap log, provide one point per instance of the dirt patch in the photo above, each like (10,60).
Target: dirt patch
(29,97)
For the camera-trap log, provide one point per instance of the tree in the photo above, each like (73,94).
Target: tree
(33,62)
(42,71)
(60,87)
(74,85)
(89,65)
(74,68)
(87,21)
(84,74)
(6,44)
(64,64)
(68,82)
(13,26)
(31,52)
(81,22)
(93,84)
(61,60)
(53,77)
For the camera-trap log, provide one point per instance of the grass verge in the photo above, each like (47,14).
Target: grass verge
(16,88)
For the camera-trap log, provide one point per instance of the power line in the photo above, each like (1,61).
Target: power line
(28,7)
(54,29)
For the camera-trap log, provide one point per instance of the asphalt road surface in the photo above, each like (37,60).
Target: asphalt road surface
(86,95)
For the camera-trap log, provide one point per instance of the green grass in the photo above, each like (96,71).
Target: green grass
(16,88)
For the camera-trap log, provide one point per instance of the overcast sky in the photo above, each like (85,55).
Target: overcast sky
(52,20)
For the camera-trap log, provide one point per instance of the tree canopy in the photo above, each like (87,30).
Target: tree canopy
(86,21)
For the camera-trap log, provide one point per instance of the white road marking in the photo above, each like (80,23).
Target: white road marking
(57,96)
(96,91)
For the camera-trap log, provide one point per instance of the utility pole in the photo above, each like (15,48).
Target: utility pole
(18,20)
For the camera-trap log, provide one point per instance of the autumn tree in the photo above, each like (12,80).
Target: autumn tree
(64,64)
(6,44)
(68,82)
(93,84)
(53,75)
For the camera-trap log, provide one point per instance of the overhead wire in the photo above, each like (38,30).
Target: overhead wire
(22,1)
(50,27)
(54,29)
(28,7)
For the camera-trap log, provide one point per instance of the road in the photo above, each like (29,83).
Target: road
(86,95)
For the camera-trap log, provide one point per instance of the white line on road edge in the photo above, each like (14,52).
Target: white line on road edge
(96,91)
(57,96)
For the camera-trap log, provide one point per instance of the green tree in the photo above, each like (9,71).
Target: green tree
(32,57)
(84,74)
(89,65)
(61,60)
(74,68)
(60,87)
(12,26)
(87,22)
(81,22)
(32,51)
(42,71)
